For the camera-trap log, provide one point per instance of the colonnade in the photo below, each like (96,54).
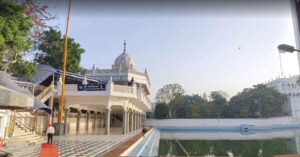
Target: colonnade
(93,120)
(132,121)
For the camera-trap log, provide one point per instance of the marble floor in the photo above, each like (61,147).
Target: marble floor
(75,145)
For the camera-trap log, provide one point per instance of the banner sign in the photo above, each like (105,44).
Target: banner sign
(91,87)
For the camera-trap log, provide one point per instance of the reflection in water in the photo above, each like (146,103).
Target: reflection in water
(252,147)
(244,148)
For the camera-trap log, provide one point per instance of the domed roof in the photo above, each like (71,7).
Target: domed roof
(123,61)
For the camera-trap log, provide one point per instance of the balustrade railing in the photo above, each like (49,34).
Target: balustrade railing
(45,92)
(144,98)
(123,89)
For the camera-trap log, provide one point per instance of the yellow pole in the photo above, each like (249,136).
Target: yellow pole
(61,119)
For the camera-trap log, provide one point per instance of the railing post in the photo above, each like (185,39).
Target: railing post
(110,86)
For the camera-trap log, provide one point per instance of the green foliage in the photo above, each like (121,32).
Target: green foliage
(14,28)
(167,94)
(14,41)
(23,69)
(161,111)
(257,102)
(217,98)
(52,52)
(186,106)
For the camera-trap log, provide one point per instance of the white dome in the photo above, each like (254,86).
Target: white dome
(124,62)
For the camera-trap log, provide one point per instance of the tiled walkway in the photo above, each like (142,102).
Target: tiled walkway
(74,145)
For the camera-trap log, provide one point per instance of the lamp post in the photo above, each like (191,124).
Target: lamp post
(286,48)
(282,48)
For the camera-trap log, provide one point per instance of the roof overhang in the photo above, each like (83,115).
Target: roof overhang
(10,99)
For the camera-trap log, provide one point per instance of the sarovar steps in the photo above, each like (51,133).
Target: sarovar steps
(106,100)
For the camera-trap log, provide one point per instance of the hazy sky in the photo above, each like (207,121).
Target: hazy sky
(202,46)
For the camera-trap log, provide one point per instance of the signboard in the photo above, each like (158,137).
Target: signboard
(91,87)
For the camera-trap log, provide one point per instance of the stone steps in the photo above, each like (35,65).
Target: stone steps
(20,136)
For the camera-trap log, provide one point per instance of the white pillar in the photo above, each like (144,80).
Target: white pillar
(124,122)
(140,121)
(78,120)
(131,122)
(88,112)
(107,121)
(135,121)
(127,121)
(95,120)
(66,129)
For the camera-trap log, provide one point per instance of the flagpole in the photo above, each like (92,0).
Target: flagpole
(61,118)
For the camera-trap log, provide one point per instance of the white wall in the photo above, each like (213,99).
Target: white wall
(219,122)
(4,114)
(295,105)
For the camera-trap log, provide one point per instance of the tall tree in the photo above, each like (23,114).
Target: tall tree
(217,98)
(14,40)
(161,111)
(220,102)
(51,51)
(180,105)
(168,93)
(258,102)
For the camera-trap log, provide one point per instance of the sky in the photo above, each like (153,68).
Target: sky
(204,46)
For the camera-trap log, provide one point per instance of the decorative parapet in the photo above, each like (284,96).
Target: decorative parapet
(123,89)
(132,92)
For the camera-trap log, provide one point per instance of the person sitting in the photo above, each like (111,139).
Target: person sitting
(144,130)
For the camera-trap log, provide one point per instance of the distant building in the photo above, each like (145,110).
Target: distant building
(288,86)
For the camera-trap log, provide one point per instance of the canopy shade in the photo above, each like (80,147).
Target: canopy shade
(43,72)
(38,105)
(12,96)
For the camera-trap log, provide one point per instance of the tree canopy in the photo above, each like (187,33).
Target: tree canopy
(52,51)
(15,42)
(168,93)
(257,102)
(161,111)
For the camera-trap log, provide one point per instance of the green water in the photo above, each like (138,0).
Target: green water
(223,148)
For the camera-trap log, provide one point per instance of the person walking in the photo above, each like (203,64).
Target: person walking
(50,133)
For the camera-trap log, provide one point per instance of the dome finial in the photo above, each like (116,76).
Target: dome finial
(124,46)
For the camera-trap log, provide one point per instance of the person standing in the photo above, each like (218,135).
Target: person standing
(50,133)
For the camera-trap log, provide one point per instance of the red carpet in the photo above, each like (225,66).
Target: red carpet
(49,150)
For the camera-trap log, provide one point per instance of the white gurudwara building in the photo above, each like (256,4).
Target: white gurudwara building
(107,99)
(289,87)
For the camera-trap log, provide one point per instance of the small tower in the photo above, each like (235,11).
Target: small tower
(93,69)
(205,96)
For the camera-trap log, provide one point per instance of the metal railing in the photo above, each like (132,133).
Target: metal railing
(26,122)
(45,92)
